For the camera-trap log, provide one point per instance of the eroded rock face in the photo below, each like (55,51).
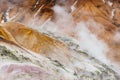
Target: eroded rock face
(36,41)
(23,11)
(91,26)
(20,63)
(22,72)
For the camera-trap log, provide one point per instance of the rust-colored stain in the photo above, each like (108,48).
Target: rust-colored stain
(30,39)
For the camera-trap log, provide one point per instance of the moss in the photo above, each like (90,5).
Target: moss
(24,58)
(57,63)
(75,74)
(12,55)
(38,63)
(7,53)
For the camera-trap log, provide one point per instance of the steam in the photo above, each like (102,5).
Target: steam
(64,25)
(91,43)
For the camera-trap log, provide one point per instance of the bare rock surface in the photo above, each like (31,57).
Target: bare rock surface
(59,40)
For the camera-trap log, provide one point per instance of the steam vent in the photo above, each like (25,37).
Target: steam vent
(59,39)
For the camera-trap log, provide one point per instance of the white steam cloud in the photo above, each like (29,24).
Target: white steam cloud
(89,42)
(63,22)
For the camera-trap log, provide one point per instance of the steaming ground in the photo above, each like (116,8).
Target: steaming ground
(83,33)
(64,25)
(91,44)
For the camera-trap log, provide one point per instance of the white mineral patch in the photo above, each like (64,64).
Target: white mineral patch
(73,6)
(110,3)
(112,13)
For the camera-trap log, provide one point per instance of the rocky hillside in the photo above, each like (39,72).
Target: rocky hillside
(59,40)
